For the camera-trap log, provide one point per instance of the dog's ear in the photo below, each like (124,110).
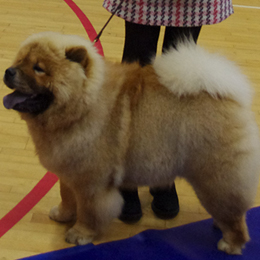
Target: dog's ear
(77,54)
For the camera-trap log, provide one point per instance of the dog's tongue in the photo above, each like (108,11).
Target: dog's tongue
(13,99)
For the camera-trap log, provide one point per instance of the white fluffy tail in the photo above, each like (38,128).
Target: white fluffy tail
(190,70)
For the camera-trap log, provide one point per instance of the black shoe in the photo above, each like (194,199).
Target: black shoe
(165,204)
(132,211)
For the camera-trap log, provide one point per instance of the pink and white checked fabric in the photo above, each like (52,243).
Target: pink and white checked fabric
(172,12)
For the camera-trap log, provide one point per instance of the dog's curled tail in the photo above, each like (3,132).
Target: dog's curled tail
(189,69)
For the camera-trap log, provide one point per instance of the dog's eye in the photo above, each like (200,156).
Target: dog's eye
(38,69)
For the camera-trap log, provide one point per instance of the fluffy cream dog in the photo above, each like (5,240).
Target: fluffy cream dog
(100,126)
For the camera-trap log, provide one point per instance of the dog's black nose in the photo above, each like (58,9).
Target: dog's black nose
(10,73)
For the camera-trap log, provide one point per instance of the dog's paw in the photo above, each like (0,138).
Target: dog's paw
(74,236)
(228,248)
(60,215)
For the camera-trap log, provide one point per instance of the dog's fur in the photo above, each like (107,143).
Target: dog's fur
(101,126)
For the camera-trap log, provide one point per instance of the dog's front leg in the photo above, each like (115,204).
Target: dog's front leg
(96,208)
(66,210)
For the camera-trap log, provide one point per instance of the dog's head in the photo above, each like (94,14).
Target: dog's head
(51,70)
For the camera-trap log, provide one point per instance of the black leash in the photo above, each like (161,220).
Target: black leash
(113,13)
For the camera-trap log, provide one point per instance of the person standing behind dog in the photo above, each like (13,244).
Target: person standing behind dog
(143,20)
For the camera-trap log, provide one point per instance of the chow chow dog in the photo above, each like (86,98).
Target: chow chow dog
(100,126)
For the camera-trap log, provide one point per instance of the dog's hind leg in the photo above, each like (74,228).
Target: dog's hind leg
(226,197)
(228,211)
(235,235)
(95,210)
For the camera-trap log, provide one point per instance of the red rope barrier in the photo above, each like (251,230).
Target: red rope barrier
(86,24)
(27,203)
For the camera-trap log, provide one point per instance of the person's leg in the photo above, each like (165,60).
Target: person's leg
(174,34)
(140,43)
(165,204)
(140,46)
(131,211)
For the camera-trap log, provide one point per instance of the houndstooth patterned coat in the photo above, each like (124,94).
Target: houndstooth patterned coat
(172,12)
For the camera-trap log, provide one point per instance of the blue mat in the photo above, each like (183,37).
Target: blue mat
(196,241)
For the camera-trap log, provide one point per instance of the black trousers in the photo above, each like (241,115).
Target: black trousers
(141,40)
